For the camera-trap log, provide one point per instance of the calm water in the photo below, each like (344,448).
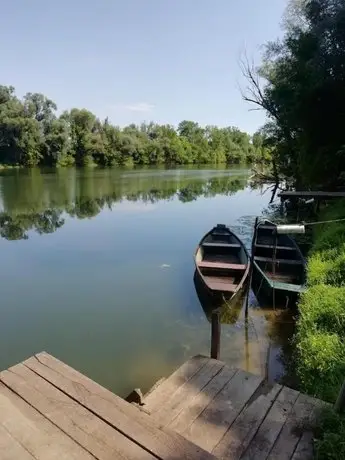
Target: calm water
(97,269)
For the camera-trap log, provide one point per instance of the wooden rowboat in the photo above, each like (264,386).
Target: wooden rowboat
(279,268)
(222,262)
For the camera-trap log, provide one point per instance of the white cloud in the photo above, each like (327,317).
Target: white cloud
(139,107)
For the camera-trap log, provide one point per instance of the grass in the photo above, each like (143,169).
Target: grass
(320,337)
(330,436)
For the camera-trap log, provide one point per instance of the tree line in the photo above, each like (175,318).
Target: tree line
(301,86)
(32,134)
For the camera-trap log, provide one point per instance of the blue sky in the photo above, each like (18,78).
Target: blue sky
(136,60)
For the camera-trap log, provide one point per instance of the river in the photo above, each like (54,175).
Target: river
(97,269)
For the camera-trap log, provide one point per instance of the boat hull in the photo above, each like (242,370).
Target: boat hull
(222,263)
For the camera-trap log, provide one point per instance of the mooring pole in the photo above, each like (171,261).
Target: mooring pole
(339,405)
(215,334)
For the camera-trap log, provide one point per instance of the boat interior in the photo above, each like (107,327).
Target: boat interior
(278,257)
(221,260)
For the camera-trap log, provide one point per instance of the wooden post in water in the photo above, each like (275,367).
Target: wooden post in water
(215,334)
(339,405)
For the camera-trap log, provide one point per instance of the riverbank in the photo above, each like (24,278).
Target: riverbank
(320,345)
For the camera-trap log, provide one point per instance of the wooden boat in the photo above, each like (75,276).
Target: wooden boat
(279,268)
(222,262)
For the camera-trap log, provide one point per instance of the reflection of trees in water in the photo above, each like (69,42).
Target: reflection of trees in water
(16,227)
(35,201)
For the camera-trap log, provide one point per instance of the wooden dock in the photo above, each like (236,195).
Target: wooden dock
(204,410)
(317,195)
(234,414)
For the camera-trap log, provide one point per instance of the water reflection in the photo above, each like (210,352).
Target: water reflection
(262,333)
(32,200)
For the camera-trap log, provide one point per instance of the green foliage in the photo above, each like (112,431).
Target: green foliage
(330,436)
(321,325)
(32,134)
(321,366)
(304,93)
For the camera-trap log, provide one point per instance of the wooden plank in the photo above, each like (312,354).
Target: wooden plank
(270,428)
(194,407)
(157,398)
(118,413)
(299,419)
(215,285)
(221,265)
(279,248)
(237,439)
(97,437)
(311,194)
(279,261)
(208,429)
(221,245)
(11,449)
(185,394)
(39,437)
(305,447)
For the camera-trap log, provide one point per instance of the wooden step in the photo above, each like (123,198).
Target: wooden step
(220,233)
(279,261)
(221,245)
(280,248)
(221,265)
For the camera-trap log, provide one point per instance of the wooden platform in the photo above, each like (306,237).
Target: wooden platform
(205,410)
(234,414)
(317,195)
(49,411)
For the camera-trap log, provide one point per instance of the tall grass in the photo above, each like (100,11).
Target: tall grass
(320,338)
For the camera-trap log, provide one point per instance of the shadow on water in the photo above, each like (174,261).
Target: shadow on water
(259,343)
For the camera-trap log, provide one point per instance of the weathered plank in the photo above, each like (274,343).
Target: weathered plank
(279,261)
(118,413)
(299,419)
(242,431)
(38,436)
(311,194)
(305,447)
(194,406)
(207,430)
(185,394)
(270,428)
(157,398)
(84,427)
(11,449)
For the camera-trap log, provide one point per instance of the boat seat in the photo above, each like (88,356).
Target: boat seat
(221,245)
(221,265)
(279,261)
(219,286)
(270,246)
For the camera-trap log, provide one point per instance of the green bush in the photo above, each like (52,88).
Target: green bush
(330,436)
(318,269)
(322,308)
(321,363)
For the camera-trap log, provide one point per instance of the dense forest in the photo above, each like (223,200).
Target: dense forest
(301,86)
(32,134)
